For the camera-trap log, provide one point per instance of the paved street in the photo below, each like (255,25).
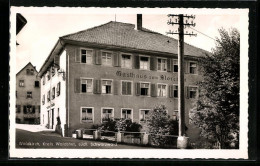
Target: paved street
(37,138)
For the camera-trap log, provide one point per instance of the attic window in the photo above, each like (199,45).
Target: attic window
(29,71)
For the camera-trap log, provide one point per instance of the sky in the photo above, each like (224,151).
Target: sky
(42,31)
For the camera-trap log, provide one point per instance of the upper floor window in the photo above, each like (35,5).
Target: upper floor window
(162,64)
(161,90)
(143,115)
(87,115)
(53,71)
(107,58)
(18,108)
(43,79)
(86,85)
(36,84)
(43,99)
(53,93)
(126,113)
(175,65)
(48,96)
(29,71)
(175,91)
(144,63)
(106,86)
(193,68)
(192,92)
(58,89)
(86,56)
(21,83)
(107,113)
(29,94)
(48,75)
(175,115)
(126,88)
(126,61)
(144,91)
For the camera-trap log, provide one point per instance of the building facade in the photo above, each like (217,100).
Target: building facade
(115,71)
(28,95)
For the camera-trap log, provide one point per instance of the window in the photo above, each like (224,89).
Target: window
(53,93)
(86,85)
(36,84)
(32,72)
(53,71)
(29,94)
(162,64)
(161,90)
(175,91)
(107,58)
(143,115)
(29,109)
(107,113)
(193,68)
(28,71)
(58,89)
(126,114)
(43,79)
(193,92)
(43,99)
(86,115)
(126,61)
(144,89)
(175,65)
(126,88)
(175,115)
(106,86)
(48,75)
(144,63)
(48,96)
(86,56)
(21,83)
(18,108)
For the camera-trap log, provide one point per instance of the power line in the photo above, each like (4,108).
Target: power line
(203,34)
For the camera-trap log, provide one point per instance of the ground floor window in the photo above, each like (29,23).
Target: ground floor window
(193,92)
(87,115)
(126,114)
(143,115)
(107,113)
(175,115)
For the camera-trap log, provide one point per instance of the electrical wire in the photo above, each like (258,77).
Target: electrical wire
(203,34)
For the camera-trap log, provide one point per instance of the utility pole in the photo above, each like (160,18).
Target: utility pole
(182,141)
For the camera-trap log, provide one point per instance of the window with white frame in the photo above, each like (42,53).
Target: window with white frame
(175,66)
(126,61)
(145,89)
(106,86)
(193,68)
(126,114)
(107,58)
(86,56)
(161,90)
(175,91)
(143,115)
(162,64)
(86,115)
(86,85)
(21,83)
(126,88)
(144,63)
(192,92)
(107,113)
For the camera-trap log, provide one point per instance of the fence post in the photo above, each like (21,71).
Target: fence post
(144,139)
(96,135)
(119,137)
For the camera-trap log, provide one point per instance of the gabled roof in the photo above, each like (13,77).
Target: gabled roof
(26,66)
(125,35)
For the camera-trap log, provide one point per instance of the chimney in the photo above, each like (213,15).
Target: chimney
(139,21)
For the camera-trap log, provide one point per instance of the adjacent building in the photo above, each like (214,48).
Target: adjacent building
(114,71)
(28,95)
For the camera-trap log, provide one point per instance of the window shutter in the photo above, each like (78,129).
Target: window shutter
(153,63)
(137,61)
(186,67)
(115,59)
(187,92)
(124,86)
(129,88)
(24,109)
(18,108)
(98,57)
(77,55)
(171,91)
(116,86)
(137,89)
(77,85)
(169,64)
(153,90)
(97,88)
(33,109)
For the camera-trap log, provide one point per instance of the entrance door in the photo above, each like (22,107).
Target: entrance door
(52,118)
(49,119)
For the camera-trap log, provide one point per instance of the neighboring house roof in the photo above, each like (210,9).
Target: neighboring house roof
(28,64)
(20,22)
(125,35)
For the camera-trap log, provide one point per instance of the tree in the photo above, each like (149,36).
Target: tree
(218,103)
